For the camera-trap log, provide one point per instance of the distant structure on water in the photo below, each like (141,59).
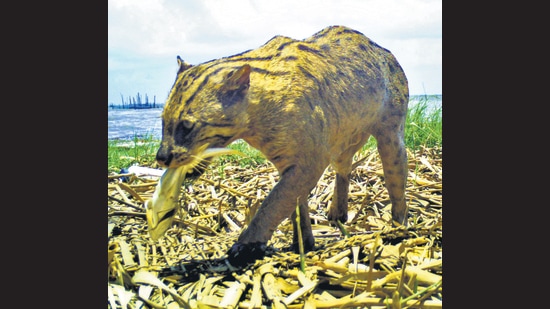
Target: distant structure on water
(136,103)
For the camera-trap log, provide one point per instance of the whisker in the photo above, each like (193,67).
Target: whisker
(196,161)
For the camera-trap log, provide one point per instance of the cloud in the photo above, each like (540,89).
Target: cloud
(147,35)
(157,27)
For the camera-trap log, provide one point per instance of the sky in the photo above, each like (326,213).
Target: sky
(146,36)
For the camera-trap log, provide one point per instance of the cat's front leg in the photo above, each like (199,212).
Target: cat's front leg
(295,184)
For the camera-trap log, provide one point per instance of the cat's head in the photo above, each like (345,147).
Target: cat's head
(205,109)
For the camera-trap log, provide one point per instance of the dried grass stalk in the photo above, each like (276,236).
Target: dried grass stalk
(378,265)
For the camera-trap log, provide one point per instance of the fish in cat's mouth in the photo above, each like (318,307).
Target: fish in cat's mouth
(162,207)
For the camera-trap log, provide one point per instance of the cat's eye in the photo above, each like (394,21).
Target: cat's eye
(187,124)
(183,129)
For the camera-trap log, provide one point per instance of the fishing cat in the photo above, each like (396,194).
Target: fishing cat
(304,104)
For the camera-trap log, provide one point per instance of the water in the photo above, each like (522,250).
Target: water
(128,123)
(433,101)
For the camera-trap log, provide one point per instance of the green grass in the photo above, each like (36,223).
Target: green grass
(253,157)
(124,153)
(423,128)
(424,125)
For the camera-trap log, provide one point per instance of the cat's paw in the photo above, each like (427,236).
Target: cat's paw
(242,254)
(335,215)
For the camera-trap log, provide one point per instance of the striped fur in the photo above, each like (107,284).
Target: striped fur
(304,104)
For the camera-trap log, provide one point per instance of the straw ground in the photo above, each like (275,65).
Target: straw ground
(376,266)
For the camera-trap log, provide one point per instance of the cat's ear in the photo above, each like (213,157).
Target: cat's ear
(238,79)
(235,86)
(183,65)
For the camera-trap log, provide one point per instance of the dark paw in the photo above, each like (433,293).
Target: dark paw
(242,254)
(399,220)
(333,217)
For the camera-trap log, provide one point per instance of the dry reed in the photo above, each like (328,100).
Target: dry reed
(377,266)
